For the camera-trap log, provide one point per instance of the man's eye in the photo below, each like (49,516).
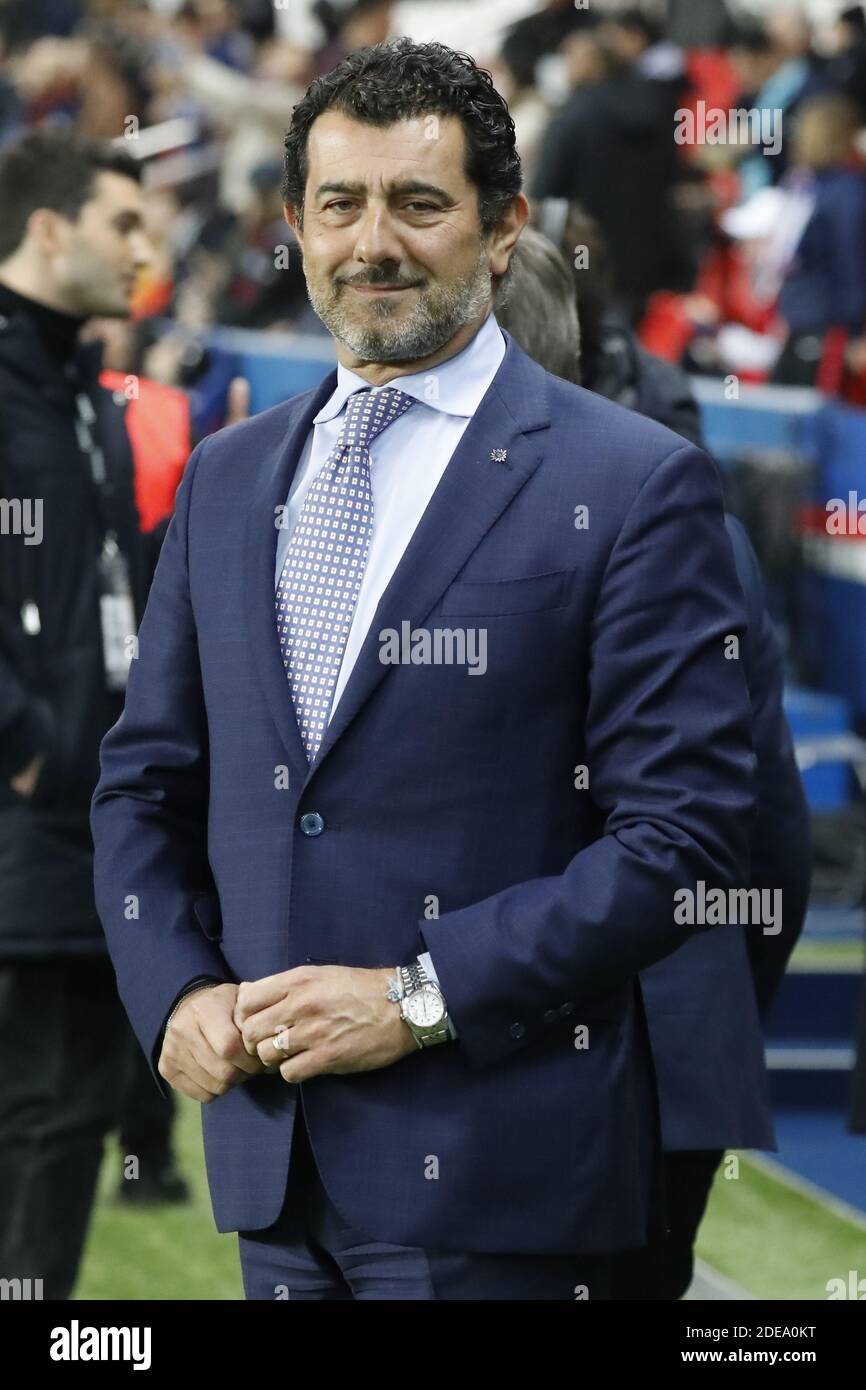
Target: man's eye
(422,207)
(340,203)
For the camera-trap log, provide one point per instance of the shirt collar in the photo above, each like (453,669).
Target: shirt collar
(462,381)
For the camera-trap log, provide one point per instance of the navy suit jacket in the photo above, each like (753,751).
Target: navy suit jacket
(605,649)
(704,1001)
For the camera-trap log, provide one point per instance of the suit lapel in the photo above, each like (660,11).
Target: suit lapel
(473,492)
(260,555)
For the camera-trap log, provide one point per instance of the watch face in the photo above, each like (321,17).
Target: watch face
(425,1007)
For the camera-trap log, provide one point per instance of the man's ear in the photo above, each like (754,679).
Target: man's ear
(45,229)
(504,238)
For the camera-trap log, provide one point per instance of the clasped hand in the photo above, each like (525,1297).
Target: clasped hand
(327,1018)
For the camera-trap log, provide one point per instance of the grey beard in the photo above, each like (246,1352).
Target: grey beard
(433,322)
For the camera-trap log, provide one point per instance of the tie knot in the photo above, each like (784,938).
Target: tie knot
(368,413)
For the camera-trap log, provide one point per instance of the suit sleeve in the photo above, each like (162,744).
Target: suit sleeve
(149,810)
(671,766)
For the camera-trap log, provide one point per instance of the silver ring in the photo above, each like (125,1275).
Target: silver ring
(281,1033)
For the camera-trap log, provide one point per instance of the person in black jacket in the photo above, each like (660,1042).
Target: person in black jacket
(847,67)
(540,35)
(74,574)
(612,361)
(611,147)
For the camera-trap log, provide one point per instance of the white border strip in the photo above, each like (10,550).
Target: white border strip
(304,347)
(809,1058)
(785,400)
(840,559)
(708,1285)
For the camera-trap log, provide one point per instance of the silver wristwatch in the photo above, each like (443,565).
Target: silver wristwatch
(422,1005)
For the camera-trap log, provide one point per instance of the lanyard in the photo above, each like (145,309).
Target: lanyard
(117,611)
(85,419)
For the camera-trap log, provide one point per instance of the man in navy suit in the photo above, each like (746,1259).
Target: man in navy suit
(437,708)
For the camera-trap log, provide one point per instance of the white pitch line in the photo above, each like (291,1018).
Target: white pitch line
(775,1168)
(708,1285)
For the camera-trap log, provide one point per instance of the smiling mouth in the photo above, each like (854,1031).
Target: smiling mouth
(381,289)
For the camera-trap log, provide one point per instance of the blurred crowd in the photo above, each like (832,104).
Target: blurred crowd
(734,245)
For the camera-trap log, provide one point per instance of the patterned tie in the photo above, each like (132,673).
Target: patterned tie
(325,561)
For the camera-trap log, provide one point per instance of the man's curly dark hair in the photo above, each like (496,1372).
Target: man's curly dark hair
(402,80)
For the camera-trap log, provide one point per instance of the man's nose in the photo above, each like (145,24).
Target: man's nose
(377,240)
(142,250)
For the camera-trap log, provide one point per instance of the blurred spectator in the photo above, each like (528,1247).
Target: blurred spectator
(537,306)
(825,284)
(612,361)
(22,21)
(782,293)
(730,322)
(848,66)
(358,24)
(540,35)
(791,32)
(252,110)
(181,357)
(114,82)
(771,81)
(638,41)
(262,284)
(157,415)
(514,75)
(735,305)
(218,31)
(617,120)
(698,23)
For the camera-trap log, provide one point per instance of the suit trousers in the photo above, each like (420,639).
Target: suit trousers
(311,1252)
(64,1042)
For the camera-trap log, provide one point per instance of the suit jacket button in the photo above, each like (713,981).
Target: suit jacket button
(516,1030)
(312,823)
(565,1010)
(551,1016)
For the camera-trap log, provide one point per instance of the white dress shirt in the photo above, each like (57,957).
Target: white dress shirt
(407,461)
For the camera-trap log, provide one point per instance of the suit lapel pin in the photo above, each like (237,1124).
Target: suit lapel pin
(498,455)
